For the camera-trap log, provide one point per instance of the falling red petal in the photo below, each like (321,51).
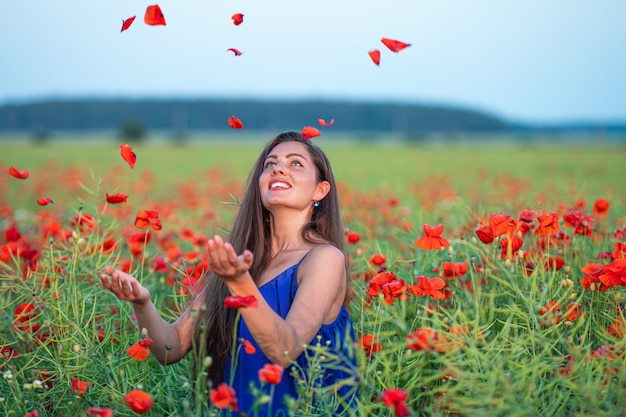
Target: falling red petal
(20,175)
(309,132)
(235,123)
(237,19)
(127,22)
(44,201)
(375,55)
(128,155)
(323,122)
(235,51)
(154,16)
(393,45)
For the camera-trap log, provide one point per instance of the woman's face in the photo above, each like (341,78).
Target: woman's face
(289,178)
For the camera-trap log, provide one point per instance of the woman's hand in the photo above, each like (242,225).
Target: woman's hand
(225,262)
(124,286)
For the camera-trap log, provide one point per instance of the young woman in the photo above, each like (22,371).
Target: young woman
(285,249)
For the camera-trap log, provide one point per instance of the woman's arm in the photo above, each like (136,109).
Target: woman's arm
(171,341)
(320,295)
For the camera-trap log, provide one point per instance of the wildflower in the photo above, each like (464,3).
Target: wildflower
(148,218)
(451,270)
(370,344)
(116,198)
(79,387)
(432,238)
(431,287)
(224,396)
(248,347)
(378,259)
(44,201)
(424,339)
(548,224)
(240,301)
(617,328)
(554,263)
(353,237)
(396,398)
(502,224)
(102,412)
(139,351)
(23,317)
(7,375)
(485,234)
(139,401)
(601,207)
(33,413)
(309,132)
(551,313)
(271,373)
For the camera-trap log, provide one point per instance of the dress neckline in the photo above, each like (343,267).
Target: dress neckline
(297,264)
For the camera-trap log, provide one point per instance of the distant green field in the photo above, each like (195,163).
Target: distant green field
(570,171)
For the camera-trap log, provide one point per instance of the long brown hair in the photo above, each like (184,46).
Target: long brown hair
(251,230)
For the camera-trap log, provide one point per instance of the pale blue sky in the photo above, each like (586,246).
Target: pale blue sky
(527,60)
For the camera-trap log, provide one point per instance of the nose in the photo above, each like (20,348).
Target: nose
(278,167)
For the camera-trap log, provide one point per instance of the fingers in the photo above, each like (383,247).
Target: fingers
(223,259)
(123,285)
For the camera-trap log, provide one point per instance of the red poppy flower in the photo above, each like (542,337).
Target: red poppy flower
(235,123)
(128,155)
(370,344)
(127,22)
(12,234)
(224,396)
(617,328)
(548,224)
(432,238)
(551,314)
(378,259)
(154,16)
(139,351)
(394,45)
(138,401)
(271,373)
(353,237)
(324,123)
(148,218)
(237,19)
(116,198)
(396,398)
(20,175)
(554,263)
(44,201)
(601,207)
(23,318)
(425,339)
(485,234)
(102,412)
(451,270)
(79,387)
(502,224)
(33,413)
(309,132)
(240,301)
(248,347)
(429,287)
(375,56)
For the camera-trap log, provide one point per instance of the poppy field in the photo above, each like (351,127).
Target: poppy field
(486,279)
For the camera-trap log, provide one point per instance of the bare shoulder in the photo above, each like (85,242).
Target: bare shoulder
(324,256)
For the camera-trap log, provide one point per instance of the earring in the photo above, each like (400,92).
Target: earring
(316,204)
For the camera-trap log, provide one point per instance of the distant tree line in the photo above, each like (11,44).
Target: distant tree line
(180,116)
(133,119)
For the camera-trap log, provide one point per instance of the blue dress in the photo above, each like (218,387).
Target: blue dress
(332,388)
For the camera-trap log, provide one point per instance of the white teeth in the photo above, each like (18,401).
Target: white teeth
(279,185)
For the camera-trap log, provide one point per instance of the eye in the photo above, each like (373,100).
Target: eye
(269,164)
(296,163)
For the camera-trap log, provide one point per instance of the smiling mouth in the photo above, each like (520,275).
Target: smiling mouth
(279,185)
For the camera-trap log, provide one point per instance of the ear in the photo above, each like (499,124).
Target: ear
(322,189)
